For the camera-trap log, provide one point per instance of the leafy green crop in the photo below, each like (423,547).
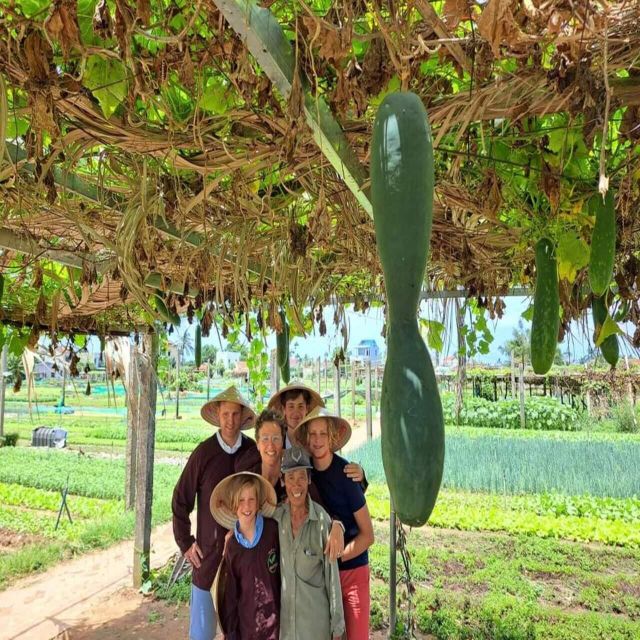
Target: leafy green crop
(529,464)
(541,413)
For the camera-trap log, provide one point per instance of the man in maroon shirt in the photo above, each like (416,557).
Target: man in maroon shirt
(211,462)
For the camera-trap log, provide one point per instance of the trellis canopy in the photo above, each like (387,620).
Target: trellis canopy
(214,154)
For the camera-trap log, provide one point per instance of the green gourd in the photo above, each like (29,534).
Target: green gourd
(198,346)
(282,341)
(1,286)
(402,181)
(603,243)
(546,308)
(609,348)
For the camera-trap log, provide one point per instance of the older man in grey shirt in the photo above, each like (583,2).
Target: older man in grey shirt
(311,599)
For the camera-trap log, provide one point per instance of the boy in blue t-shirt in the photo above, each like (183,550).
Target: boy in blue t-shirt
(322,434)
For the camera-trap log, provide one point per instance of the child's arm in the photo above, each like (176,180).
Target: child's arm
(334,594)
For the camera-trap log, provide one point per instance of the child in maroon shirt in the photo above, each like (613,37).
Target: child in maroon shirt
(247,589)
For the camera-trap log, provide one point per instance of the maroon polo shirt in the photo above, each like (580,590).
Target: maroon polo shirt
(207,465)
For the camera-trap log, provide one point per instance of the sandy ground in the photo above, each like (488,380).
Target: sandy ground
(90,597)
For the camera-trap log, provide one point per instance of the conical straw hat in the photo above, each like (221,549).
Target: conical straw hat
(210,410)
(342,427)
(220,502)
(275,402)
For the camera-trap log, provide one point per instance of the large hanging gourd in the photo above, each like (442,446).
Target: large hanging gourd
(546,308)
(402,180)
(603,243)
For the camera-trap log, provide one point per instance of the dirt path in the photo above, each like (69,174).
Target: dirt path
(42,606)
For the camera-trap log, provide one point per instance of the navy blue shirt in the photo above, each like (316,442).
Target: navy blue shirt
(342,497)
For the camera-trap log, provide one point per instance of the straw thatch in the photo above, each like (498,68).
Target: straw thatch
(235,202)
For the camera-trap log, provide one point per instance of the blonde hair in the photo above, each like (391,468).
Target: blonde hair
(237,486)
(332,429)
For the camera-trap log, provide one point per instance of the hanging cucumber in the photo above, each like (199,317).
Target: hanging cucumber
(166,315)
(603,243)
(198,346)
(402,179)
(546,308)
(609,347)
(285,373)
(1,286)
(282,341)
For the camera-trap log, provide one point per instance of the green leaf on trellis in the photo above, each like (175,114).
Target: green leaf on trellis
(572,254)
(433,331)
(609,328)
(214,96)
(107,80)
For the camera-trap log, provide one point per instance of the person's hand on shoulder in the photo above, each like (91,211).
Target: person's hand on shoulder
(354,471)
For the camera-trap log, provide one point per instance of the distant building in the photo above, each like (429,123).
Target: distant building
(227,359)
(367,350)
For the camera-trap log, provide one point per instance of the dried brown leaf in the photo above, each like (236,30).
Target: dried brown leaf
(62,25)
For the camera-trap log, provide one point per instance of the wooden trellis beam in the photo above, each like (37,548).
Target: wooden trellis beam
(268,43)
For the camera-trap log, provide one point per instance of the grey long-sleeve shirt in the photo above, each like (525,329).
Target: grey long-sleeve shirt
(311,597)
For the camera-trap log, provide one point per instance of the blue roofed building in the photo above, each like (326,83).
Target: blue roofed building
(367,350)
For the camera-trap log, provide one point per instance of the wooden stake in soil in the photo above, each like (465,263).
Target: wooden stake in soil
(143,405)
(367,391)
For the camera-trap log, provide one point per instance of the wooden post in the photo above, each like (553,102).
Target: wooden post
(376,395)
(353,391)
(588,401)
(319,377)
(522,412)
(64,386)
(3,385)
(462,362)
(143,406)
(513,376)
(336,390)
(131,450)
(326,375)
(177,385)
(208,380)
(367,391)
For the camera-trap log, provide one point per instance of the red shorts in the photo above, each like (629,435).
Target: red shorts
(356,602)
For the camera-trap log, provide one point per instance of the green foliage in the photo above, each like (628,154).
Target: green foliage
(625,418)
(107,80)
(88,476)
(541,413)
(9,439)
